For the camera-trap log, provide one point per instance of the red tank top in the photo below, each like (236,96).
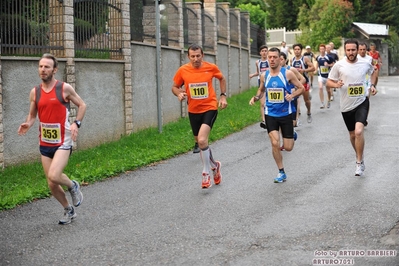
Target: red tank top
(53,112)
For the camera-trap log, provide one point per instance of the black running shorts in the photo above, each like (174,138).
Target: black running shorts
(196,120)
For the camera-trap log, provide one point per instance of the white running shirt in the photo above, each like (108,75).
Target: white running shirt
(354,91)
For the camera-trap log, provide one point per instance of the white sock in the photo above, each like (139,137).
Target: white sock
(205,156)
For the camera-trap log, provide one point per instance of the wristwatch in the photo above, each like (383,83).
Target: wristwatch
(223,94)
(78,123)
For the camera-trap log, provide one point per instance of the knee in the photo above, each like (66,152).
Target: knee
(358,133)
(202,143)
(275,143)
(51,184)
(52,178)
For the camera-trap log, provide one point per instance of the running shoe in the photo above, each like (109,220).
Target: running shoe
(281,177)
(295,135)
(262,124)
(76,194)
(298,123)
(359,169)
(206,180)
(322,106)
(363,166)
(69,215)
(282,148)
(332,98)
(196,148)
(328,104)
(217,176)
(309,118)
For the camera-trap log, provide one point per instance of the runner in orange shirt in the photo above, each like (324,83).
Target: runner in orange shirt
(203,105)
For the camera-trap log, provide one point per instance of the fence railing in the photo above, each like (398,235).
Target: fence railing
(25,27)
(34,27)
(276,36)
(97,29)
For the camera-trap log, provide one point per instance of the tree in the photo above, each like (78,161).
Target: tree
(257,15)
(283,13)
(325,22)
(261,3)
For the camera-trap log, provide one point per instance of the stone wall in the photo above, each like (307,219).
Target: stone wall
(120,92)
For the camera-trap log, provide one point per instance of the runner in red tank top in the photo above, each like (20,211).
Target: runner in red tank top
(50,102)
(377,61)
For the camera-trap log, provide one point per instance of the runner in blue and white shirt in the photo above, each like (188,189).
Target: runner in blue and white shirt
(274,84)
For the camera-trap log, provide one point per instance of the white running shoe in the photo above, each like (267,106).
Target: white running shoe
(76,194)
(69,215)
(359,169)
(309,118)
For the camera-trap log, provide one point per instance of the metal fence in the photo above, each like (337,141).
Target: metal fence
(234,37)
(190,26)
(221,16)
(136,21)
(208,38)
(97,29)
(25,27)
(244,31)
(34,27)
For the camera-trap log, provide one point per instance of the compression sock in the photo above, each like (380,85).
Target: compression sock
(205,156)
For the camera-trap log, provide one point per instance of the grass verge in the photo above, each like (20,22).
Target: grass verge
(26,182)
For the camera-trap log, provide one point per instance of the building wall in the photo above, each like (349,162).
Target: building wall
(121,93)
(100,85)
(19,77)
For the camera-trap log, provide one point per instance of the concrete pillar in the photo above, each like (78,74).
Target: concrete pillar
(1,117)
(127,57)
(246,15)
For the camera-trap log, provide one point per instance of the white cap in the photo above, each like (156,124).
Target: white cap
(307,46)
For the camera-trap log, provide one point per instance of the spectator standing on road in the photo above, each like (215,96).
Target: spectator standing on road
(261,66)
(275,82)
(50,101)
(203,105)
(349,75)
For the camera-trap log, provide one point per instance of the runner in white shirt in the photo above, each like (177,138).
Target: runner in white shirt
(349,76)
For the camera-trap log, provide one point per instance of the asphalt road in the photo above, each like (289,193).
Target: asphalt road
(159,215)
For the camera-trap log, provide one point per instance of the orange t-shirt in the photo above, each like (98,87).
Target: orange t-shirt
(201,95)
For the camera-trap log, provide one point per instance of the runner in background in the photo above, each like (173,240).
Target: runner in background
(377,61)
(261,66)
